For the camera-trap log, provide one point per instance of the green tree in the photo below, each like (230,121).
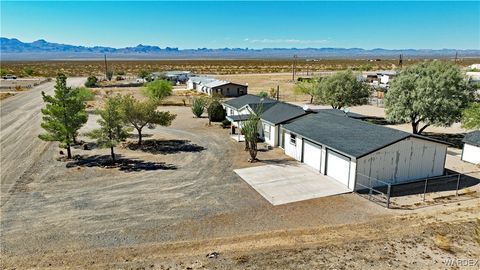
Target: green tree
(142,114)
(63,115)
(113,128)
(91,81)
(342,90)
(431,92)
(198,106)
(263,94)
(471,117)
(310,88)
(158,90)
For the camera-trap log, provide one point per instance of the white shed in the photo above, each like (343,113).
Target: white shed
(471,147)
(356,152)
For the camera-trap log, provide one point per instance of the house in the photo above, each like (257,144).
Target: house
(211,86)
(471,147)
(272,114)
(385,77)
(356,152)
(173,76)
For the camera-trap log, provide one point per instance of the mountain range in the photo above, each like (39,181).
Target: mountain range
(14,49)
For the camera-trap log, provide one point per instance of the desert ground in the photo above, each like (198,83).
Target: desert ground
(173,202)
(204,66)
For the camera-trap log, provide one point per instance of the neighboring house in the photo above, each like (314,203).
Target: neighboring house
(352,151)
(212,86)
(272,114)
(471,147)
(385,77)
(173,76)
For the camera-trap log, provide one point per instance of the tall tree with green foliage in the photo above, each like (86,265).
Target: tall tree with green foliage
(113,128)
(63,115)
(310,88)
(142,114)
(471,117)
(343,89)
(158,90)
(431,92)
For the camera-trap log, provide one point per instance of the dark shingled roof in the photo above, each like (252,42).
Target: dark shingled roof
(239,102)
(281,112)
(353,137)
(239,117)
(472,138)
(272,111)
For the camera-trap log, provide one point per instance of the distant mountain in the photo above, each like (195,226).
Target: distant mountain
(14,49)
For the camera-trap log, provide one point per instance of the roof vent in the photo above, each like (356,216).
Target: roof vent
(306,108)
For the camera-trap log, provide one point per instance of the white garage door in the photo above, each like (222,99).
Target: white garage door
(311,154)
(338,167)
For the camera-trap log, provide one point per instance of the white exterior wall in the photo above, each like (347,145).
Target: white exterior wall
(471,153)
(404,161)
(232,111)
(273,138)
(294,151)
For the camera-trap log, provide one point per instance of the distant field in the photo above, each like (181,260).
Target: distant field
(132,67)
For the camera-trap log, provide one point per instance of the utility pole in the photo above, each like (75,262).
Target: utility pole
(400,61)
(294,66)
(456,57)
(278,92)
(106,67)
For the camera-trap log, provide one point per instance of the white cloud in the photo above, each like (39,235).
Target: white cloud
(288,41)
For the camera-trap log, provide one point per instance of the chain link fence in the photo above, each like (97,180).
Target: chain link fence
(451,187)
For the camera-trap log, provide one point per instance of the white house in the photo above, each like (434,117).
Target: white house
(211,86)
(356,152)
(471,147)
(272,114)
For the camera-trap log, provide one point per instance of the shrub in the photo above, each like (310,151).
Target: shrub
(198,106)
(158,90)
(120,73)
(216,113)
(262,94)
(28,71)
(119,78)
(85,94)
(91,81)
(109,75)
(226,123)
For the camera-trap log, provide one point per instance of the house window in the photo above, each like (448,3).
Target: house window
(293,139)
(266,130)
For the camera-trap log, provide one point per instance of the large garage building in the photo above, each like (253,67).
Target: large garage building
(356,152)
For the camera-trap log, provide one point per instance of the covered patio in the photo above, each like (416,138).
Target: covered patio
(236,127)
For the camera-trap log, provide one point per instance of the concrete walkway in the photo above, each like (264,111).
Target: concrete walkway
(282,184)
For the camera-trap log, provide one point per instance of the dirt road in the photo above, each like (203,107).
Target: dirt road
(20,125)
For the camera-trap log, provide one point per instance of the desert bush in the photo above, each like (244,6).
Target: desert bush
(119,78)
(442,242)
(262,94)
(226,123)
(91,81)
(158,90)
(109,75)
(28,71)
(215,111)
(85,94)
(120,73)
(198,106)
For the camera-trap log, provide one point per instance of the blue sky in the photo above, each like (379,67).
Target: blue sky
(391,25)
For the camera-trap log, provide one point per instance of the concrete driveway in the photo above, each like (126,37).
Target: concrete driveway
(282,184)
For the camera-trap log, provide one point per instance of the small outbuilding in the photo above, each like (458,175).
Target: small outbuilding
(357,153)
(471,147)
(212,86)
